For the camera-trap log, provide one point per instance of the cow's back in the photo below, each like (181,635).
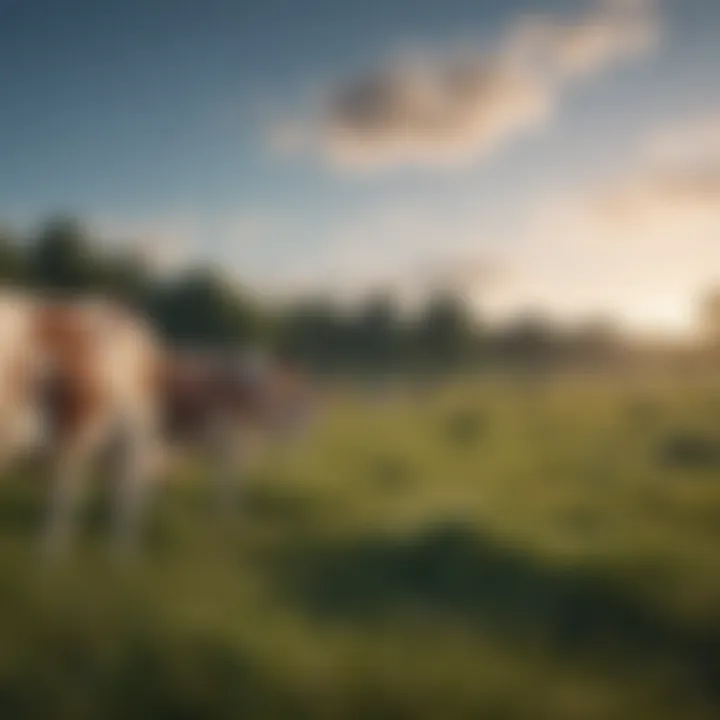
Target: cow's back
(104,358)
(64,361)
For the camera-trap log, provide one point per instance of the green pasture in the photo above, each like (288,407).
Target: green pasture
(502,549)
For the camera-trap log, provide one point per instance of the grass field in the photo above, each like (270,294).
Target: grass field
(494,550)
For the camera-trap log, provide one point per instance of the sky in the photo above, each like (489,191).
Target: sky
(532,154)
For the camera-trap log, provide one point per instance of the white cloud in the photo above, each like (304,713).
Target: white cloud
(444,109)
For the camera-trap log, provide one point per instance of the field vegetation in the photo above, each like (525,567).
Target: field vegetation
(481,549)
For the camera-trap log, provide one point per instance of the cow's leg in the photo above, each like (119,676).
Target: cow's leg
(69,469)
(139,464)
(78,424)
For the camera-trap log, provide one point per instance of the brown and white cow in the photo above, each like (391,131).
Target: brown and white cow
(76,375)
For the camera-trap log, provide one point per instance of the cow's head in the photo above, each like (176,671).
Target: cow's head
(247,391)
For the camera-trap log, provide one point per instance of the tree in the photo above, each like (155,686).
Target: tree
(530,341)
(378,333)
(443,333)
(200,307)
(596,342)
(12,261)
(62,258)
(127,278)
(315,332)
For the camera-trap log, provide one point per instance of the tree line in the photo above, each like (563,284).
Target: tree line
(196,306)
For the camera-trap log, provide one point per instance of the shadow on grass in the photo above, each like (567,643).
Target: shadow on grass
(454,572)
(143,672)
(690,450)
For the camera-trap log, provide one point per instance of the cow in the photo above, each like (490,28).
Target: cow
(77,375)
(216,403)
(81,376)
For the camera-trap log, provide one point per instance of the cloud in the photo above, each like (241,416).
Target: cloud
(671,188)
(432,113)
(433,109)
(614,31)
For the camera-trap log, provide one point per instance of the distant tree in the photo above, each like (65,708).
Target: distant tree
(443,332)
(62,258)
(596,342)
(12,260)
(314,331)
(126,277)
(378,333)
(529,341)
(201,307)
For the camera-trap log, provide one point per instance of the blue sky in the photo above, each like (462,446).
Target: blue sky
(159,118)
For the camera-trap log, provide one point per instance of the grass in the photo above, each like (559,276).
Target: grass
(495,550)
